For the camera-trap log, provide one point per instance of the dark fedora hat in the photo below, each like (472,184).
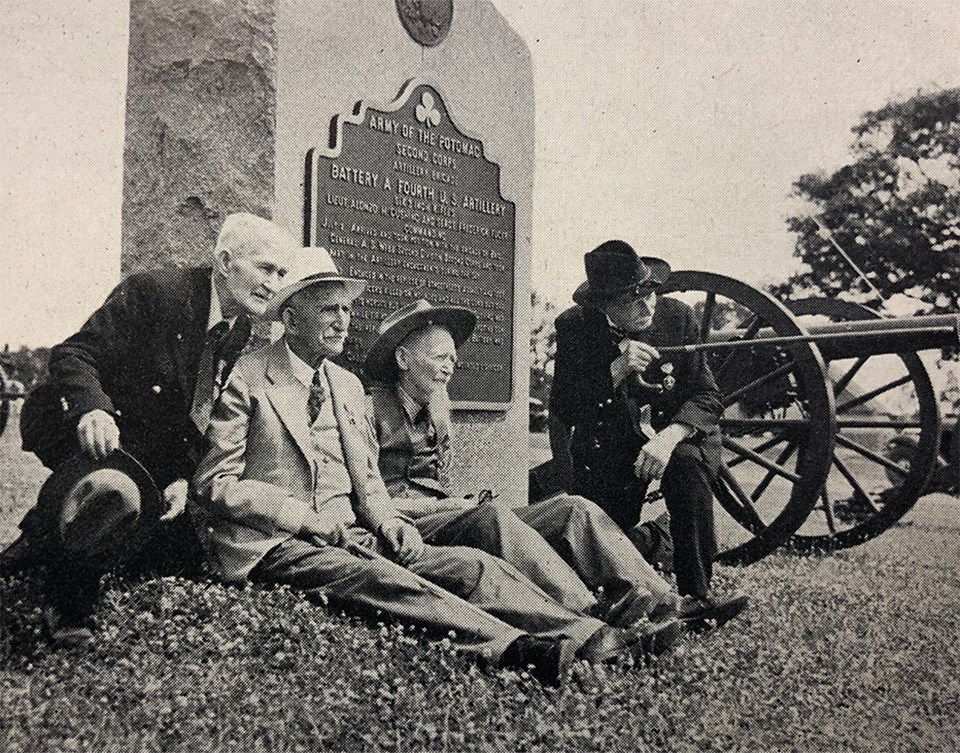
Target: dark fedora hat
(613,268)
(82,478)
(380,363)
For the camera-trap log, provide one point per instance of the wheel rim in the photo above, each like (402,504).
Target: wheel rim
(778,424)
(865,491)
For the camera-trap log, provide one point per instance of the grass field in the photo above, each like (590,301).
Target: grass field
(854,651)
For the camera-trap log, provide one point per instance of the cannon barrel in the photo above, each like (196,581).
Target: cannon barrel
(848,339)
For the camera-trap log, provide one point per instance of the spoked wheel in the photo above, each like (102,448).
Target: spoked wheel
(888,433)
(777,423)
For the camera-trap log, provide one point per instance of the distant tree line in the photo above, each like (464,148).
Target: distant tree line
(26,365)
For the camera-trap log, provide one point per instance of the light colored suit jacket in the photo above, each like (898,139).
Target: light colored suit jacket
(255,485)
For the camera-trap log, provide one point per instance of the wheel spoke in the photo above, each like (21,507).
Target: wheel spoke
(749,334)
(762,447)
(828,510)
(872,394)
(759,382)
(858,491)
(730,481)
(707,322)
(741,449)
(843,381)
(869,454)
(765,482)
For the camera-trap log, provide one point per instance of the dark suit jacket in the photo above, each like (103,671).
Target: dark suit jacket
(137,358)
(604,444)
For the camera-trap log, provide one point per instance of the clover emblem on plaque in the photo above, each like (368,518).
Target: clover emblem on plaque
(426,111)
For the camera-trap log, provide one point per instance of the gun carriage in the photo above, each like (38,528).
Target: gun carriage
(816,393)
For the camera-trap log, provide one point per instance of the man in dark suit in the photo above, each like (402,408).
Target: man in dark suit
(615,428)
(142,374)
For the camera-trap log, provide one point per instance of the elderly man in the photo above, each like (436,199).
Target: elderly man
(566,544)
(614,430)
(289,492)
(142,375)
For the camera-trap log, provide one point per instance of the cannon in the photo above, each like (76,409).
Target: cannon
(818,395)
(815,394)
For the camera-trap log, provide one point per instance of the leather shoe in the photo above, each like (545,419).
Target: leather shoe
(610,645)
(702,614)
(548,659)
(67,629)
(638,604)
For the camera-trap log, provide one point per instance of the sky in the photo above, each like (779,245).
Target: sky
(678,126)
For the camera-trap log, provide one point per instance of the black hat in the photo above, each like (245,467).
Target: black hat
(83,477)
(613,268)
(380,363)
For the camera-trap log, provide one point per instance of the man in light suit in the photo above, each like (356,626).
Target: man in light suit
(142,375)
(565,544)
(289,492)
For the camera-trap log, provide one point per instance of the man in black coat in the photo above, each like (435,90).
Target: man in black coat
(620,418)
(142,374)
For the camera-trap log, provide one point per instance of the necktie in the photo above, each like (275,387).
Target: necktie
(318,394)
(203,391)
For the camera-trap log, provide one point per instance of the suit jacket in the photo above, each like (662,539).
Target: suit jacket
(605,444)
(137,358)
(255,485)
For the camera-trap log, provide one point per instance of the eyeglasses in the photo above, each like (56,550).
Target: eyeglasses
(640,290)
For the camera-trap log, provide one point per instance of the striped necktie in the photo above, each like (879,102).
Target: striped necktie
(318,395)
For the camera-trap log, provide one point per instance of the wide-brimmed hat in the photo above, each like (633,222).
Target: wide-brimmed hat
(613,268)
(380,363)
(82,478)
(311,265)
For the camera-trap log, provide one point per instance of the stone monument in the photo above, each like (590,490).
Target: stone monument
(396,133)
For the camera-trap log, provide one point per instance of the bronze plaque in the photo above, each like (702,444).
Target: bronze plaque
(426,21)
(402,198)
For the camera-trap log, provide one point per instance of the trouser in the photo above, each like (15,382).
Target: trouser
(493,527)
(686,490)
(588,539)
(485,601)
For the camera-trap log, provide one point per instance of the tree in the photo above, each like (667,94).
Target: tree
(543,347)
(894,209)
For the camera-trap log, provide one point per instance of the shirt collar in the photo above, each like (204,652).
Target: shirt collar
(216,310)
(302,370)
(410,406)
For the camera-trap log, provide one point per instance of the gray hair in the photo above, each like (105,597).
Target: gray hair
(243,232)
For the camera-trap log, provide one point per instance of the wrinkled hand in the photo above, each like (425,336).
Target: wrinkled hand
(175,499)
(637,356)
(98,434)
(655,455)
(634,358)
(403,540)
(325,534)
